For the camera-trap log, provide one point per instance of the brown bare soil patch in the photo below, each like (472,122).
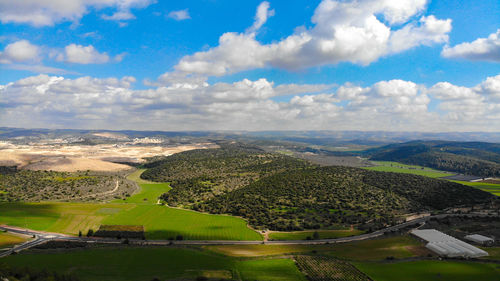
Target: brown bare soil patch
(72,158)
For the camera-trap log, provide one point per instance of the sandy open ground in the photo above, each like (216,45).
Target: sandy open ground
(70,158)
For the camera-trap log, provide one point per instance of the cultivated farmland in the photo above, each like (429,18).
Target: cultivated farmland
(322,234)
(318,268)
(431,270)
(128,263)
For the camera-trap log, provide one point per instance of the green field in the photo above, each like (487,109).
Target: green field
(129,263)
(149,192)
(431,270)
(160,222)
(484,186)
(271,269)
(323,234)
(379,249)
(8,240)
(395,167)
(267,250)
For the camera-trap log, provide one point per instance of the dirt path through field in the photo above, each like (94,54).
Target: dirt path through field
(102,193)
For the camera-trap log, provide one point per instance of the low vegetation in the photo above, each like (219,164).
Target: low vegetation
(277,192)
(199,175)
(318,268)
(9,240)
(431,270)
(321,197)
(34,186)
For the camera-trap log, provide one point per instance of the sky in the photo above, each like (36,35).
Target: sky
(369,65)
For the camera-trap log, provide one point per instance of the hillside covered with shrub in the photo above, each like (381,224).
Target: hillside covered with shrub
(283,193)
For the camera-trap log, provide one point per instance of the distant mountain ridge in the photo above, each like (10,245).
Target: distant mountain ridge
(470,158)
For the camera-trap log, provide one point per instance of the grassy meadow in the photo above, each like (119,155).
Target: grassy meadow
(149,191)
(395,167)
(488,187)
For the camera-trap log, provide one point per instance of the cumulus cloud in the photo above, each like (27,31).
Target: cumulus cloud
(393,105)
(487,49)
(74,53)
(342,31)
(20,51)
(48,12)
(179,15)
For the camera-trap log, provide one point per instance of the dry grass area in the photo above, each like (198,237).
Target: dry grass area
(72,158)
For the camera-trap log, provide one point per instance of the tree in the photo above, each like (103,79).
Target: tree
(79,233)
(315,235)
(90,233)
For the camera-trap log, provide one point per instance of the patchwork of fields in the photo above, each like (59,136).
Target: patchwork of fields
(160,222)
(148,263)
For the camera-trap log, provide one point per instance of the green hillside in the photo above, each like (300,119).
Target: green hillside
(470,158)
(278,192)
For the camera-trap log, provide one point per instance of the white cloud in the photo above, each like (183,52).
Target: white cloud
(394,105)
(261,16)
(179,15)
(487,49)
(343,31)
(74,53)
(38,68)
(48,12)
(20,51)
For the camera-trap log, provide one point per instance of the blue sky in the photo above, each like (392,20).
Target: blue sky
(343,53)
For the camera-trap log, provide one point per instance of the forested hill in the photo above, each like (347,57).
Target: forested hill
(282,193)
(198,175)
(470,158)
(326,196)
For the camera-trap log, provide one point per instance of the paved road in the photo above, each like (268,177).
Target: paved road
(42,237)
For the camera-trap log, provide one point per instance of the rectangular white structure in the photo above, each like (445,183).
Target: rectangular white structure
(448,246)
(480,239)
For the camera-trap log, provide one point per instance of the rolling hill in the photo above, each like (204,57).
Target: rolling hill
(282,193)
(470,158)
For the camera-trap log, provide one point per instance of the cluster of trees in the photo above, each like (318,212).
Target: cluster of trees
(282,193)
(471,158)
(26,185)
(28,274)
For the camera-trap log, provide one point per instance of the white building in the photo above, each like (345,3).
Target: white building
(447,246)
(480,239)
